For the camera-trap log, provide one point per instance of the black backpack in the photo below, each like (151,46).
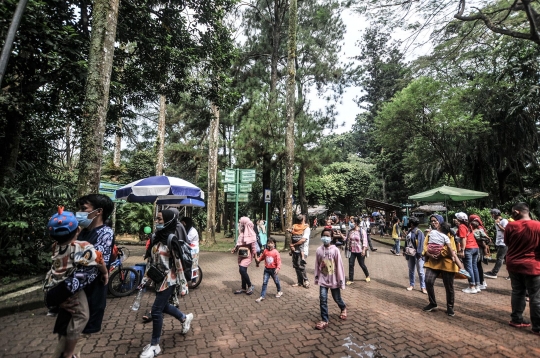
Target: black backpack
(182,251)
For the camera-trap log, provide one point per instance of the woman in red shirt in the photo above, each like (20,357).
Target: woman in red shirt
(470,259)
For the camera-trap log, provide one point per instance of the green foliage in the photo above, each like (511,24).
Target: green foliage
(25,207)
(343,186)
(131,218)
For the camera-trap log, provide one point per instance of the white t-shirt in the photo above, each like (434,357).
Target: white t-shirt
(193,237)
(499,241)
(438,238)
(306,235)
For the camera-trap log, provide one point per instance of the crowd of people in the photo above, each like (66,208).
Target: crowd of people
(76,283)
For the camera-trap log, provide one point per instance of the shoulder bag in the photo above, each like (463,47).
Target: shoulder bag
(410,250)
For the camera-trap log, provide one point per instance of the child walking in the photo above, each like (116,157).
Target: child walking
(272,265)
(75,264)
(329,274)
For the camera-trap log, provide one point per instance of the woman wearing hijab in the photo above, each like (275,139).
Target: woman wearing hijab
(160,256)
(436,265)
(192,234)
(246,247)
(261,225)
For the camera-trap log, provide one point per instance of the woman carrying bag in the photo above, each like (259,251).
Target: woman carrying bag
(414,243)
(165,270)
(246,248)
(356,247)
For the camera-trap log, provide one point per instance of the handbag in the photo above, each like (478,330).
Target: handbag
(243,252)
(411,250)
(155,274)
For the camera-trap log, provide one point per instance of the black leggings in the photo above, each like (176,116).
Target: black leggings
(246,282)
(361,259)
(480,269)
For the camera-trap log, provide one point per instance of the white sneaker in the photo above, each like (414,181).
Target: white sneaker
(279,294)
(259,299)
(150,351)
(481,287)
(187,323)
(470,290)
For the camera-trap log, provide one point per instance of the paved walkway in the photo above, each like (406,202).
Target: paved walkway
(384,320)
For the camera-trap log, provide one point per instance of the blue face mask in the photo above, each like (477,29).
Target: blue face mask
(159,227)
(326,239)
(82,218)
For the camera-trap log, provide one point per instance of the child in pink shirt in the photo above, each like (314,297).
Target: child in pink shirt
(329,274)
(272,265)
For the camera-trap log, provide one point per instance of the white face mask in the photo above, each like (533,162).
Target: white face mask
(82,218)
(326,239)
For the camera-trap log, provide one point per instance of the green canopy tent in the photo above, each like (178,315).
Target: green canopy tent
(445,193)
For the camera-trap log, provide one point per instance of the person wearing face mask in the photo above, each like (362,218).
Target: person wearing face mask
(522,237)
(357,245)
(442,265)
(329,275)
(94,209)
(246,247)
(272,265)
(161,257)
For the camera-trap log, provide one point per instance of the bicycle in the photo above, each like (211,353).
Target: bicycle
(123,281)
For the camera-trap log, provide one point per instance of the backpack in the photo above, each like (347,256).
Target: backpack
(182,251)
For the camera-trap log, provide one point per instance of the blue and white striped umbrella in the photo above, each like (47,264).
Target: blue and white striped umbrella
(192,202)
(150,189)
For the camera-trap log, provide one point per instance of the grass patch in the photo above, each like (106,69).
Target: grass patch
(223,244)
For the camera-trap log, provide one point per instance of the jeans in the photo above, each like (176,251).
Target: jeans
(161,305)
(469,261)
(369,242)
(448,281)
(418,263)
(501,253)
(300,269)
(323,299)
(361,259)
(246,282)
(396,245)
(521,284)
(270,272)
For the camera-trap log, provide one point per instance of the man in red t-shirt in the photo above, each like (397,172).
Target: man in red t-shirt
(522,237)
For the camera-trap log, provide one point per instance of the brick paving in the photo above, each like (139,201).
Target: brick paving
(384,320)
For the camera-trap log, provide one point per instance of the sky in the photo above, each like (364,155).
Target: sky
(347,109)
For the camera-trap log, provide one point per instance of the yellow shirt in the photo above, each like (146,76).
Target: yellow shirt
(443,263)
(395,235)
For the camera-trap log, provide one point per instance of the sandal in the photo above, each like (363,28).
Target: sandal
(321,325)
(306,284)
(237,292)
(343,314)
(147,318)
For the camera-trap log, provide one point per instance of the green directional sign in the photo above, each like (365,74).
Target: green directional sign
(109,189)
(231,198)
(245,188)
(230,176)
(243,197)
(247,175)
(230,188)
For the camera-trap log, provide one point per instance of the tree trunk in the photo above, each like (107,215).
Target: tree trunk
(213,142)
(117,143)
(161,134)
(291,104)
(96,102)
(302,189)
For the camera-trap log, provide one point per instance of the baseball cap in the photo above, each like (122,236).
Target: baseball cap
(62,223)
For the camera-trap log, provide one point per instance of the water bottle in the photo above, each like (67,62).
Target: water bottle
(137,302)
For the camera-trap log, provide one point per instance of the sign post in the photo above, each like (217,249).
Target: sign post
(267,200)
(237,188)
